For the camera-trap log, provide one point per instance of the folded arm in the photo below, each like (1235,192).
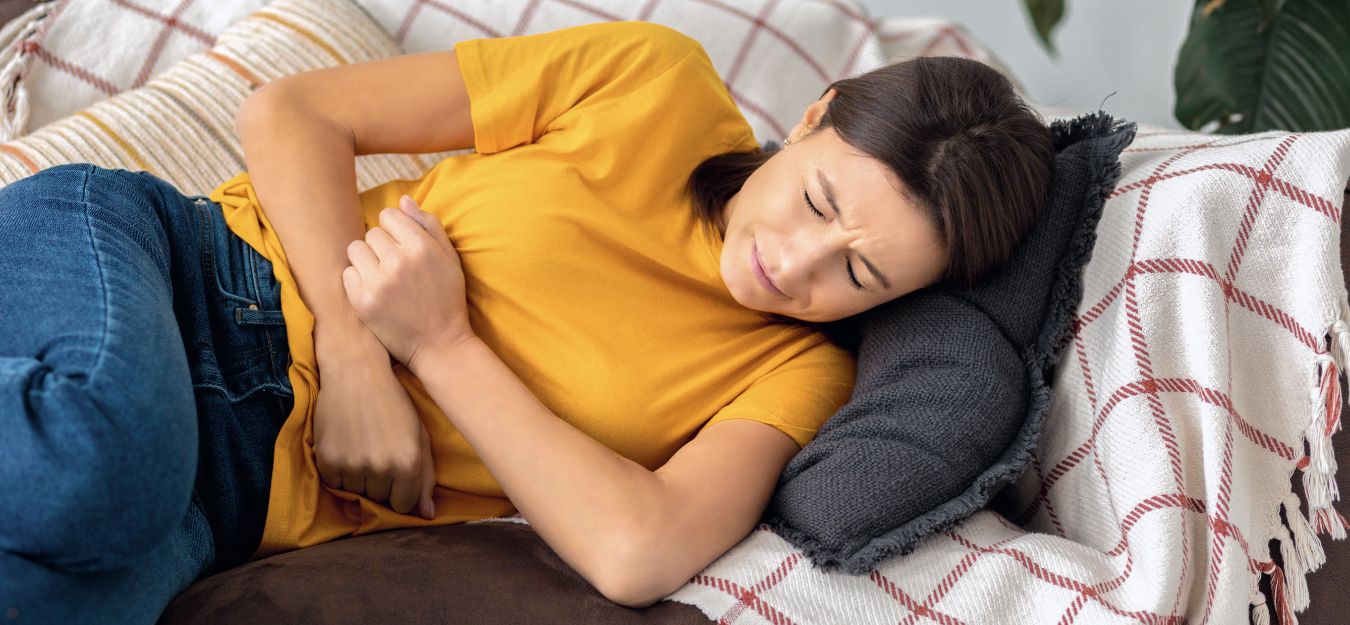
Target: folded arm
(636,535)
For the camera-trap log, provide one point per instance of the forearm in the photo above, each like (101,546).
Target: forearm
(303,171)
(589,503)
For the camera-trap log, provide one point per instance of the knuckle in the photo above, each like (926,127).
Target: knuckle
(378,466)
(343,463)
(371,298)
(396,464)
(404,468)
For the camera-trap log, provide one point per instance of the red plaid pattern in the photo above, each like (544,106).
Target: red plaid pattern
(1205,356)
(775,56)
(906,37)
(86,51)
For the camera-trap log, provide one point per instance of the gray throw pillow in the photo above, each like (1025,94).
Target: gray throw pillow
(953,383)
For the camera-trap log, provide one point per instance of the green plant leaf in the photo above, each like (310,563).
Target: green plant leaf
(1289,71)
(1270,7)
(1045,15)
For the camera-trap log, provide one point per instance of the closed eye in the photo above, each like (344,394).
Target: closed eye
(848,264)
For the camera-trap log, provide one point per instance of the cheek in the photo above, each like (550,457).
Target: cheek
(770,199)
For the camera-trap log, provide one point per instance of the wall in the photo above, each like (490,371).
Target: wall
(1129,48)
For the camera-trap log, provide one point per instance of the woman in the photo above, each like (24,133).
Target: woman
(552,324)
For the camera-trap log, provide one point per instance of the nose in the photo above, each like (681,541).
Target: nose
(808,251)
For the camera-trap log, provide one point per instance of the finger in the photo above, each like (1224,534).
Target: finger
(403,228)
(354,483)
(330,476)
(429,222)
(351,282)
(411,209)
(403,492)
(363,258)
(427,502)
(384,245)
(377,487)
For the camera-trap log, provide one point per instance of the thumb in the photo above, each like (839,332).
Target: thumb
(427,221)
(427,503)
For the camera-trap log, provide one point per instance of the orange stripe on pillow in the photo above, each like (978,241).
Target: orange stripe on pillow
(131,151)
(23,158)
(306,34)
(253,82)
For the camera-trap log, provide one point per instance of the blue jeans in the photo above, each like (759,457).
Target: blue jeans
(143,380)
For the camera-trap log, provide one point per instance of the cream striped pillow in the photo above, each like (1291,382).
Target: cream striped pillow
(180,125)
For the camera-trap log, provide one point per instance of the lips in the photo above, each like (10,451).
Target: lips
(760,274)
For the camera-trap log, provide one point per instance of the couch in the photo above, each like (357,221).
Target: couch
(500,570)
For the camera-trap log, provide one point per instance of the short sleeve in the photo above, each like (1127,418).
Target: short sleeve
(519,85)
(798,396)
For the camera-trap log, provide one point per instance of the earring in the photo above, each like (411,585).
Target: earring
(786,142)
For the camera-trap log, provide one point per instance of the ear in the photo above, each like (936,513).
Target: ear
(811,117)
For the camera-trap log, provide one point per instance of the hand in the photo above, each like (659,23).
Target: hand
(406,283)
(368,438)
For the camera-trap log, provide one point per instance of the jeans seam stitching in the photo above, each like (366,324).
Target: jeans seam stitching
(102,277)
(235,398)
(271,354)
(208,246)
(254,269)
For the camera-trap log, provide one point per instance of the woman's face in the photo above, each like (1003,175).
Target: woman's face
(876,230)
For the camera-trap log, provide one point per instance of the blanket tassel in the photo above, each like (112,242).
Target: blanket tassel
(1300,548)
(1319,470)
(15,60)
(1282,611)
(1260,613)
(1295,572)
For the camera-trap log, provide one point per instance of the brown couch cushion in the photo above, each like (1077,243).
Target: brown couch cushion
(496,572)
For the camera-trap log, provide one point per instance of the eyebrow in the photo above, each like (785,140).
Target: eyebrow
(829,197)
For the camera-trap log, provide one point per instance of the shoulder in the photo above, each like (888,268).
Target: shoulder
(633,39)
(637,30)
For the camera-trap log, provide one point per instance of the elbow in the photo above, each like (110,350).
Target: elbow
(638,603)
(641,566)
(279,106)
(634,591)
(261,104)
(252,109)
(638,578)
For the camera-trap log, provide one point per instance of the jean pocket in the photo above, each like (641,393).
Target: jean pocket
(243,296)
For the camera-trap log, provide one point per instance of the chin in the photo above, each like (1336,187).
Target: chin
(819,317)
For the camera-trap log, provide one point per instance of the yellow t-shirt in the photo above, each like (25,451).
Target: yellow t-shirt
(585,267)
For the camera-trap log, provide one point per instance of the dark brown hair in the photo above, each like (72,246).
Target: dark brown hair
(966,147)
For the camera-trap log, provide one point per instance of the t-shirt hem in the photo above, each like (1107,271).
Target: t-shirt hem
(799,435)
